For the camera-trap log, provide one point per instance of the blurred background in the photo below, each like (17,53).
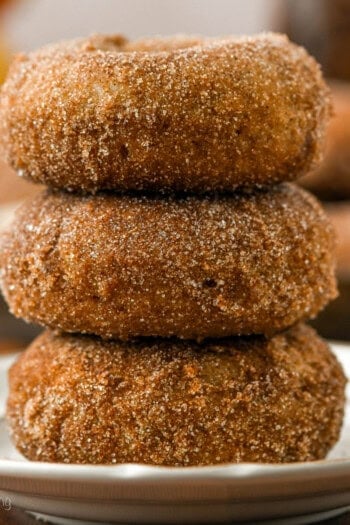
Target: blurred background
(322,26)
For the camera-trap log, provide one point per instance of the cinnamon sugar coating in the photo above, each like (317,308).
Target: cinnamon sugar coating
(77,399)
(184,114)
(192,267)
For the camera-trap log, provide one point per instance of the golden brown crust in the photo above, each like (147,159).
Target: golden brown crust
(76,399)
(170,114)
(195,267)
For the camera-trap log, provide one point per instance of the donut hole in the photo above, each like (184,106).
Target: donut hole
(161,44)
(209,283)
(119,44)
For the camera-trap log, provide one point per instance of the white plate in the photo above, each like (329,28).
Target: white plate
(293,493)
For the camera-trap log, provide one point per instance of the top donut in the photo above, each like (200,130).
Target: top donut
(176,114)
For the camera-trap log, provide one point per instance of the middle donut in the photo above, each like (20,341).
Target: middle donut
(192,267)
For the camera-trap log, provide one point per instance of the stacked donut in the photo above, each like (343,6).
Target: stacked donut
(170,259)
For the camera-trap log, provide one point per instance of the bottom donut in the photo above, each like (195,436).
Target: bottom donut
(78,399)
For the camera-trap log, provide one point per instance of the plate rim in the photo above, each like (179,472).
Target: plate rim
(40,470)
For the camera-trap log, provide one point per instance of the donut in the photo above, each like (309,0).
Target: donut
(331,180)
(123,266)
(177,114)
(77,399)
